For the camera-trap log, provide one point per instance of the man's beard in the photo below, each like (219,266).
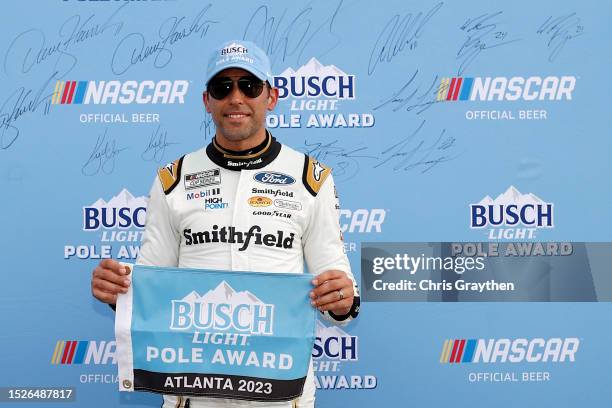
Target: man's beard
(237,135)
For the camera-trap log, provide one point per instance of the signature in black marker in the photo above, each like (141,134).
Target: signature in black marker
(208,126)
(400,33)
(559,31)
(483,35)
(31,48)
(411,96)
(416,152)
(157,145)
(19,103)
(134,48)
(103,157)
(344,162)
(283,36)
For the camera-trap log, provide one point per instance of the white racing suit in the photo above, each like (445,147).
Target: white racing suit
(266,209)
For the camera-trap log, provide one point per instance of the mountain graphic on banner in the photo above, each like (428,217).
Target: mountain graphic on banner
(224,293)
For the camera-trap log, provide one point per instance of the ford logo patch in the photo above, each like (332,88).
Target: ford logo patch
(271,177)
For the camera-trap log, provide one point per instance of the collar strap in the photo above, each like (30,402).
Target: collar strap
(255,158)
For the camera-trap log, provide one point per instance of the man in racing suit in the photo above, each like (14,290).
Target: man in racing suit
(246,203)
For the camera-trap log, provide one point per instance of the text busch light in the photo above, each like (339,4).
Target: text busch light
(114,217)
(255,319)
(536,215)
(335,348)
(331,86)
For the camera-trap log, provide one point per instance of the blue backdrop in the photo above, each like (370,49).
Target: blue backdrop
(432,108)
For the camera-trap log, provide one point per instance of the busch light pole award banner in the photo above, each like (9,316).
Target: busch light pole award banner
(238,335)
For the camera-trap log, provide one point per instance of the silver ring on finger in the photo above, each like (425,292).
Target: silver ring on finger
(340,294)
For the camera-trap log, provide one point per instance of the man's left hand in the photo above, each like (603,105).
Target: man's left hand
(333,292)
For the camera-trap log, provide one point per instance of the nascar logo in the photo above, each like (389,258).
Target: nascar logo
(83,352)
(506,350)
(550,88)
(122,92)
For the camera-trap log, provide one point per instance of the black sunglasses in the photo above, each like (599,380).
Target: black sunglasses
(220,87)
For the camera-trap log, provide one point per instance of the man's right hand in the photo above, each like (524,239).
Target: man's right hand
(108,280)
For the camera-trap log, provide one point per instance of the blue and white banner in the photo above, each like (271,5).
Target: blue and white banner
(239,335)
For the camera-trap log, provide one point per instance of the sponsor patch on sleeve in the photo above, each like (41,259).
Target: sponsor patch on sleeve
(314,174)
(170,175)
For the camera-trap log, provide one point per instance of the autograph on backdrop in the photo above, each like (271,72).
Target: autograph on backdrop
(401,32)
(482,35)
(134,48)
(283,36)
(560,30)
(103,157)
(411,95)
(157,145)
(298,33)
(420,150)
(31,48)
(20,104)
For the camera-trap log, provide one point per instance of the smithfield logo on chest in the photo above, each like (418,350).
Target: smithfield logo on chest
(271,177)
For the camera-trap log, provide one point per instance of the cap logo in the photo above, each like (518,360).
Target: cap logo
(234,49)
(241,54)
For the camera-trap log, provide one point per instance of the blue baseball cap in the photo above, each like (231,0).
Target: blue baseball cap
(239,54)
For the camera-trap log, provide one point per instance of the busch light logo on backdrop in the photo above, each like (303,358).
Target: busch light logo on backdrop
(315,80)
(223,309)
(332,350)
(512,215)
(319,90)
(121,219)
(123,211)
(334,343)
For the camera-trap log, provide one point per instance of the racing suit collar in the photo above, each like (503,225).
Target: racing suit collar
(254,158)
